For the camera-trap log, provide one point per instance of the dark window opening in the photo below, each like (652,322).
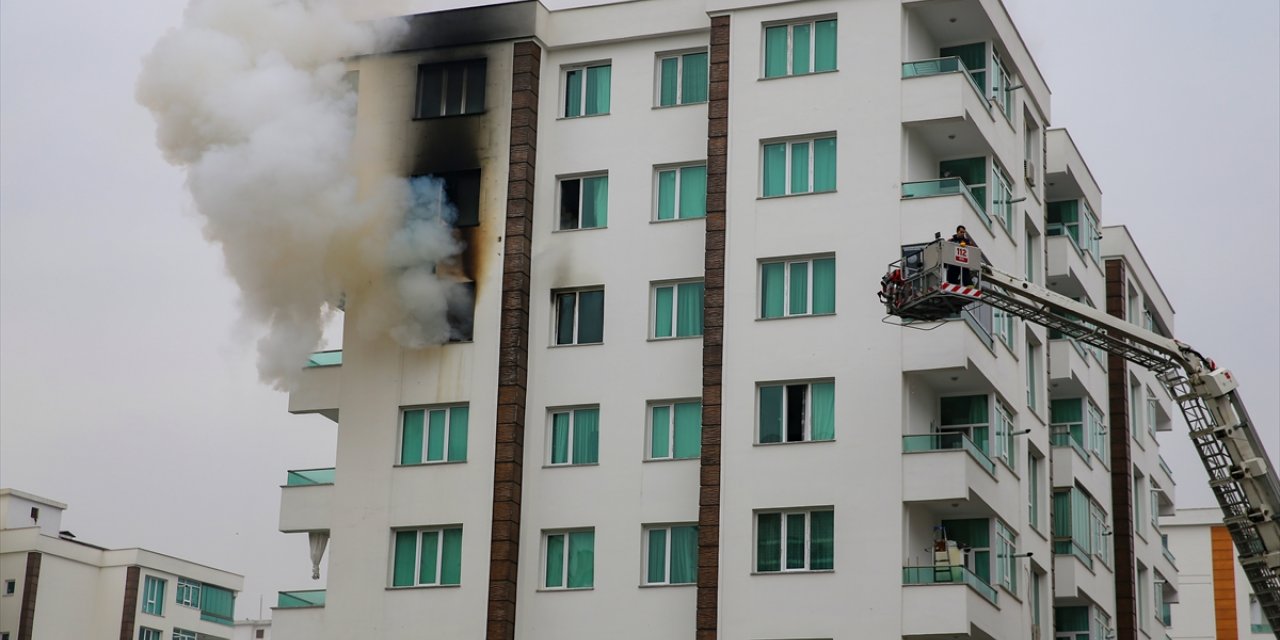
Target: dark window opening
(580,317)
(462,190)
(35,514)
(570,203)
(450,89)
(795,411)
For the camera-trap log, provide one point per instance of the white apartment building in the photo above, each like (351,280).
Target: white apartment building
(1217,600)
(56,587)
(680,414)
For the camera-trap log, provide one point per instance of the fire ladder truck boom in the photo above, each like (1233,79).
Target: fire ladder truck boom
(934,282)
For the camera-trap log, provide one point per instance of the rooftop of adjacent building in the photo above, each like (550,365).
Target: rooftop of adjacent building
(1193,517)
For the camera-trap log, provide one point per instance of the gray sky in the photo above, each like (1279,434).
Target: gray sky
(128,387)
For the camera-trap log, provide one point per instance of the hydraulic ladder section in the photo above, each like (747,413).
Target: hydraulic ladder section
(936,281)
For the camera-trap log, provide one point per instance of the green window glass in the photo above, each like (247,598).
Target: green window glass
(667,194)
(799,166)
(427,557)
(428,560)
(682,79)
(188,593)
(775,51)
(451,557)
(183,634)
(968,414)
(775,169)
(824,45)
(657,557)
(771,414)
(678,307)
(672,555)
(217,605)
(807,286)
(682,193)
(664,310)
(824,286)
(584,203)
(575,436)
(798,298)
(822,540)
(974,57)
(404,559)
(823,401)
(573,93)
(580,317)
(794,524)
(772,289)
(824,164)
(555,561)
(769,542)
(570,560)
(675,430)
(1033,491)
(795,541)
(587,91)
(659,432)
(975,534)
(153,595)
(800,48)
(669,83)
(434,435)
(797,412)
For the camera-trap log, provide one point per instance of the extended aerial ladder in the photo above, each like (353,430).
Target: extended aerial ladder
(936,281)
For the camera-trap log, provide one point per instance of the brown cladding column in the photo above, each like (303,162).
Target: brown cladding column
(513,349)
(1121,466)
(1222,551)
(129,611)
(713,333)
(30,587)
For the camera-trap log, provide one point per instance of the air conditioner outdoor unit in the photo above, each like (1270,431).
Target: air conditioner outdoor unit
(1029,171)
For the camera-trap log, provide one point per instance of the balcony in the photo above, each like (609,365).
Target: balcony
(1073,371)
(299,614)
(949,476)
(318,385)
(300,599)
(1076,576)
(944,106)
(926,217)
(1069,271)
(306,500)
(947,602)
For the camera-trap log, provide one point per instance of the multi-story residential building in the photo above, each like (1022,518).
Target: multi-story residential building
(1217,600)
(679,413)
(252,630)
(56,587)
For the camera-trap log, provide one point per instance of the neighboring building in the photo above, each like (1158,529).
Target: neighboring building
(1217,600)
(252,630)
(680,414)
(56,587)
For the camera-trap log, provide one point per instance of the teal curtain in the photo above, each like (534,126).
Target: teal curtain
(1063,411)
(688,430)
(775,51)
(451,565)
(435,435)
(582,559)
(772,289)
(217,605)
(458,417)
(591,317)
(664,298)
(660,432)
(769,542)
(799,167)
(824,285)
(693,86)
(971,171)
(824,164)
(598,89)
(693,192)
(1069,619)
(822,540)
(824,45)
(798,304)
(796,533)
(666,195)
(684,555)
(595,202)
(573,93)
(405,554)
(555,561)
(411,440)
(427,559)
(964,410)
(800,49)
(974,57)
(586,436)
(560,438)
(1061,514)
(689,309)
(823,401)
(565,316)
(771,414)
(670,81)
(657,566)
(775,169)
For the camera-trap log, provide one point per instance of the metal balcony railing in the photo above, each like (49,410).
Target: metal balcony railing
(923,443)
(300,599)
(948,575)
(306,477)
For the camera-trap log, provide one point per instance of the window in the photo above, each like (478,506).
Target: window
(975,535)
(677,310)
(1033,491)
(183,634)
(800,48)
(1135,413)
(580,317)
(584,203)
(1036,579)
(188,593)
(586,90)
(1155,506)
(1002,325)
(675,430)
(682,79)
(1030,257)
(1100,442)
(1098,539)
(970,416)
(1006,442)
(1071,623)
(1139,525)
(1033,376)
(798,287)
(1002,197)
(434,435)
(1006,550)
(10,587)
(451,89)
(1074,219)
(799,166)
(575,436)
(153,595)
(797,412)
(682,192)
(569,559)
(217,605)
(1066,423)
(795,541)
(1152,415)
(440,191)
(147,633)
(671,555)
(427,557)
(1001,86)
(1143,605)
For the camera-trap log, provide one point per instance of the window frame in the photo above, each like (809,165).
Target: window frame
(1006,566)
(418,532)
(581,179)
(583,91)
(807,427)
(188,587)
(1006,442)
(784,518)
(667,566)
(679,56)
(811,183)
(467,67)
(787,265)
(577,317)
(184,634)
(812,23)
(566,556)
(671,429)
(572,411)
(10,587)
(427,410)
(1033,490)
(678,171)
(152,600)
(148,633)
(674,286)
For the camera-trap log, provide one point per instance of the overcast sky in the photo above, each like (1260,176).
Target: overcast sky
(127,384)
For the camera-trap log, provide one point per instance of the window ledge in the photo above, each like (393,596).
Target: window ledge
(579,229)
(1038,532)
(775,444)
(796,75)
(448,117)
(583,116)
(669,220)
(1009,593)
(661,586)
(793,317)
(783,196)
(433,463)
(663,107)
(569,465)
(423,586)
(793,572)
(582,344)
(675,338)
(564,589)
(646,460)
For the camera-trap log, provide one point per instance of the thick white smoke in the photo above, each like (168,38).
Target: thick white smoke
(252,98)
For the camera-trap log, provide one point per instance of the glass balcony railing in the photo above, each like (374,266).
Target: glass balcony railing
(1165,466)
(948,575)
(949,187)
(1060,436)
(936,66)
(1068,547)
(300,599)
(1259,628)
(1168,555)
(923,443)
(325,358)
(305,477)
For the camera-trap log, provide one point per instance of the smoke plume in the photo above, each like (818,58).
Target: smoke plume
(252,98)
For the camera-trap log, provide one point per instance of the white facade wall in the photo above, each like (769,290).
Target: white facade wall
(1194,615)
